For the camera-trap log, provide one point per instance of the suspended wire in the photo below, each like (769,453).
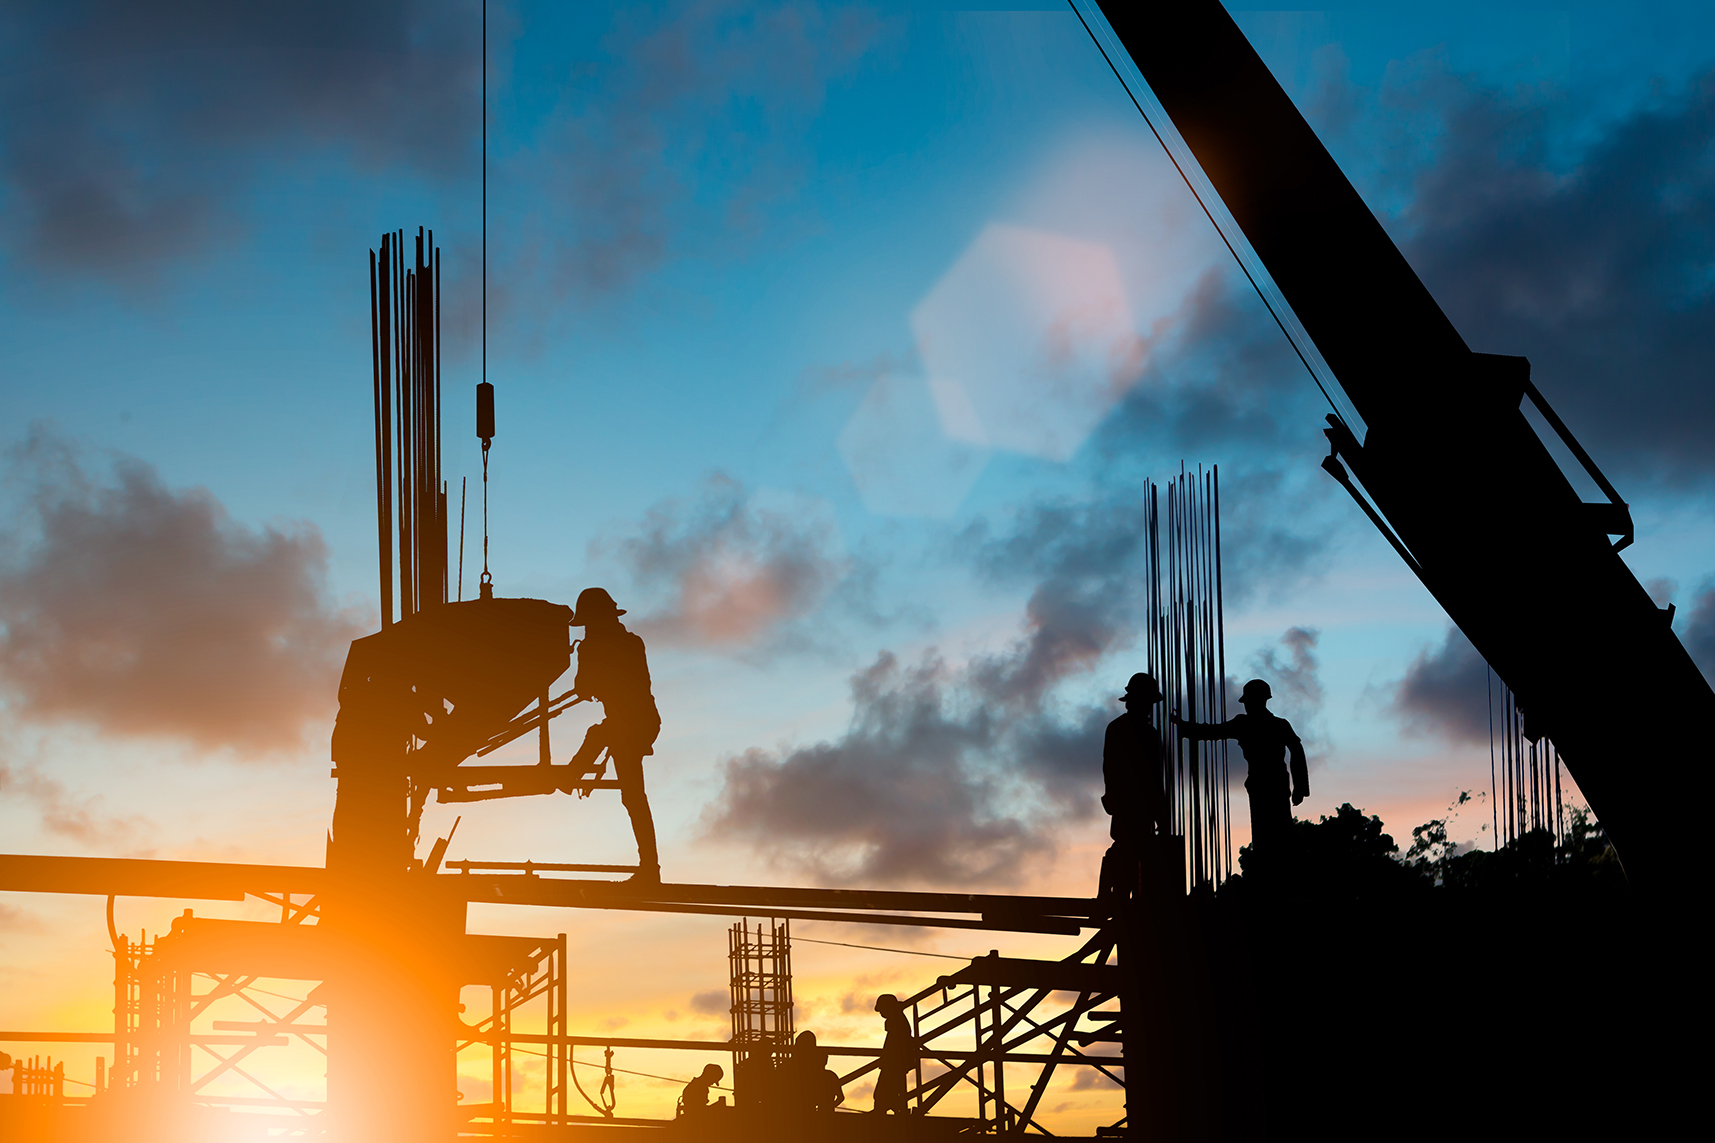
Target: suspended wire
(1231,249)
(713,1044)
(879,948)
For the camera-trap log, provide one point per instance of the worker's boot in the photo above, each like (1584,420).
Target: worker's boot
(643,825)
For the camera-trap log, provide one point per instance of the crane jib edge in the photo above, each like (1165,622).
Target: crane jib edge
(1456,475)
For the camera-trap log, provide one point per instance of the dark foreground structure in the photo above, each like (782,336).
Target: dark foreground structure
(1303,998)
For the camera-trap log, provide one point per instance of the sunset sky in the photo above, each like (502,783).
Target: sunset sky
(770,290)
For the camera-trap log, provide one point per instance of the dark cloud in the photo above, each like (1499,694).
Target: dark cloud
(923,787)
(1445,691)
(1584,246)
(1086,561)
(711,1002)
(133,129)
(736,568)
(1230,391)
(961,775)
(142,610)
(1699,633)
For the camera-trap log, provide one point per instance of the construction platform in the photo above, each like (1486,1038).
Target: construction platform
(970,1025)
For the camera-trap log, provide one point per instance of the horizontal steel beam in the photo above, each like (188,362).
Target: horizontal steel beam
(729,1046)
(610,894)
(136,1037)
(205,880)
(139,877)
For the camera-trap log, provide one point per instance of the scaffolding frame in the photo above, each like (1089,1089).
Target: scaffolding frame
(997,999)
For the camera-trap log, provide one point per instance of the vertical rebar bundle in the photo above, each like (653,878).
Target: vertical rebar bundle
(411,499)
(1526,778)
(1187,656)
(760,968)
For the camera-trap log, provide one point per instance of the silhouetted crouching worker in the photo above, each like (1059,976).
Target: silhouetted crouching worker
(1266,740)
(694,1102)
(815,1090)
(898,1056)
(613,669)
(1135,780)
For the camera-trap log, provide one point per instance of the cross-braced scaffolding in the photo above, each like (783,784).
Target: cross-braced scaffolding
(534,977)
(1008,1007)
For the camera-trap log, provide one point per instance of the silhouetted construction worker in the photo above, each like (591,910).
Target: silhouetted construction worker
(614,670)
(1134,778)
(694,1101)
(898,1056)
(1266,740)
(814,1089)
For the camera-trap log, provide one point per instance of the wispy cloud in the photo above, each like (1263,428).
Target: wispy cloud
(64,814)
(683,129)
(737,568)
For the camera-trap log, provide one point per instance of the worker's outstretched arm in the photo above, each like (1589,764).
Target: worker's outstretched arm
(1202,731)
(1300,770)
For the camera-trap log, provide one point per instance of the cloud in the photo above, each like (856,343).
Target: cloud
(1086,561)
(961,774)
(66,815)
(1295,682)
(120,112)
(1699,636)
(1445,691)
(1228,389)
(711,1002)
(910,793)
(1089,1079)
(16,920)
(141,610)
(682,129)
(737,567)
(1582,245)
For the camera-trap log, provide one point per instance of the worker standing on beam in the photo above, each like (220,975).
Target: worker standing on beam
(1267,740)
(613,669)
(1135,780)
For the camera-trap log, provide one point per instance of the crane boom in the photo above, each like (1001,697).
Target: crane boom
(1458,479)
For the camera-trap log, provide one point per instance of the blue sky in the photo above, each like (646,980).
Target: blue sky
(756,274)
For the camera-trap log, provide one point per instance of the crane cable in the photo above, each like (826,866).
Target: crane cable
(486,584)
(1262,294)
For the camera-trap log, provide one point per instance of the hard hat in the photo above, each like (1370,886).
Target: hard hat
(594,603)
(1142,688)
(1255,689)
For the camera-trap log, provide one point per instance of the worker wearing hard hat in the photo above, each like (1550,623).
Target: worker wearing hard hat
(1135,785)
(1267,740)
(613,669)
(1132,771)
